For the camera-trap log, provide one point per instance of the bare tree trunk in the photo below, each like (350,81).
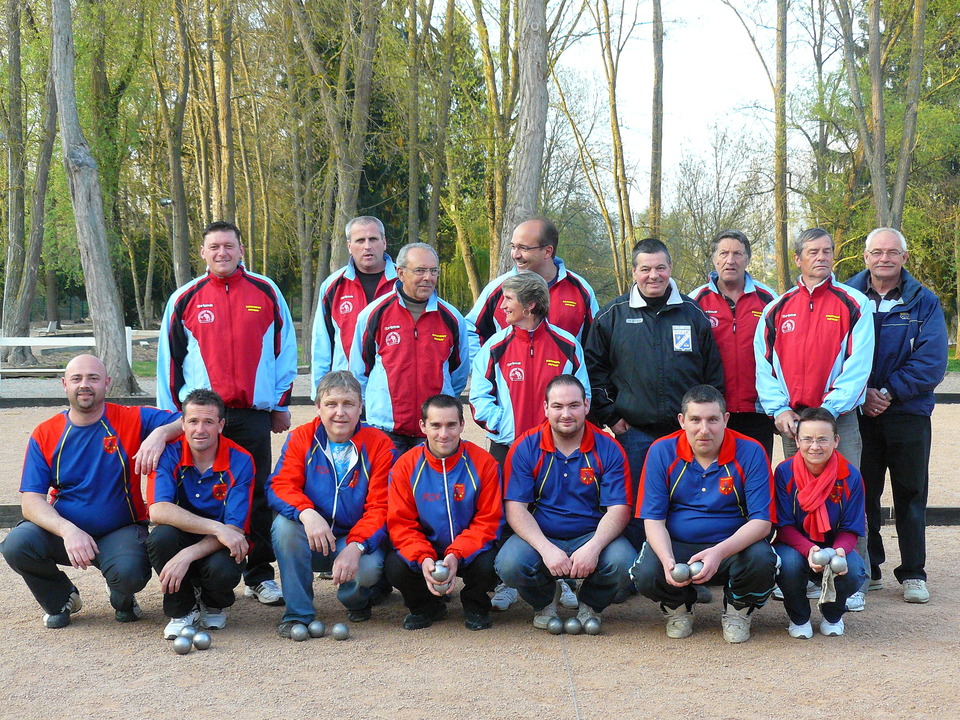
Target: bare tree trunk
(16,159)
(224,99)
(780,151)
(413,124)
(463,241)
(531,134)
(443,120)
(656,140)
(912,100)
(258,158)
(52,292)
(81,169)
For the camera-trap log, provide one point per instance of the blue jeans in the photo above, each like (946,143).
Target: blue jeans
(635,444)
(521,567)
(793,577)
(298,562)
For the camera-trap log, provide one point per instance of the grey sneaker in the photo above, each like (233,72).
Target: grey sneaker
(585,612)
(679,621)
(173,628)
(856,602)
(875,584)
(503,597)
(915,591)
(213,618)
(61,619)
(268,592)
(735,624)
(543,617)
(568,598)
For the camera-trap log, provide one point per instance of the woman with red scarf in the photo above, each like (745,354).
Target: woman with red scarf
(820,504)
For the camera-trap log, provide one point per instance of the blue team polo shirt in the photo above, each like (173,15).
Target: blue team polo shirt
(567,495)
(706,506)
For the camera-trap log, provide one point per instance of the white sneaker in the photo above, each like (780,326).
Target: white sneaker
(268,592)
(173,628)
(804,632)
(856,602)
(735,624)
(831,629)
(504,597)
(568,598)
(679,621)
(542,618)
(915,591)
(213,618)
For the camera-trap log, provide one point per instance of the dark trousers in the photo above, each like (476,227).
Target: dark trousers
(900,444)
(479,578)
(404,442)
(215,575)
(747,577)
(250,429)
(34,554)
(499,452)
(754,425)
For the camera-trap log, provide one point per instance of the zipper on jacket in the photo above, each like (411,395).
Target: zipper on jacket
(446,496)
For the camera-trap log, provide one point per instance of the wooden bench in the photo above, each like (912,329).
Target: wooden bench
(55,341)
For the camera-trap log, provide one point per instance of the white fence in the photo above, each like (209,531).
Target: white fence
(59,341)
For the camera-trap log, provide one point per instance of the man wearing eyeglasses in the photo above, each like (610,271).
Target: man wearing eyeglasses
(409,345)
(533,247)
(909,362)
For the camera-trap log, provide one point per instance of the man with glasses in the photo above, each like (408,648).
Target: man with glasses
(409,345)
(909,362)
(533,247)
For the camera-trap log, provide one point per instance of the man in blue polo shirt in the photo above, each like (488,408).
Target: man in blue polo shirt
(199,498)
(706,495)
(568,500)
(81,497)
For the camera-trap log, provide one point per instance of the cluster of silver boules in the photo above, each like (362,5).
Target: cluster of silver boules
(317,629)
(191,638)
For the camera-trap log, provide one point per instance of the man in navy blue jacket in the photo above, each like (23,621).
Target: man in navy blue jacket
(909,361)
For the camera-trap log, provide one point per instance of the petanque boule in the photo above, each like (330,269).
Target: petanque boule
(188,632)
(340,631)
(695,568)
(202,640)
(299,632)
(555,626)
(440,572)
(820,557)
(182,645)
(316,629)
(838,564)
(572,626)
(680,572)
(442,587)
(591,626)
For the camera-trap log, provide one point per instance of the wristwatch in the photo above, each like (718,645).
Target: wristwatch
(360,546)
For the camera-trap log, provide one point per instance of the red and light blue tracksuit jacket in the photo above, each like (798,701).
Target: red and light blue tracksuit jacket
(222,493)
(734,330)
(233,335)
(510,376)
(573,305)
(814,348)
(845,504)
(355,505)
(88,470)
(706,506)
(567,496)
(438,506)
(400,363)
(341,300)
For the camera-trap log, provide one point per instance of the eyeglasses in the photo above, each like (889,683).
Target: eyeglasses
(523,248)
(892,254)
(423,272)
(809,441)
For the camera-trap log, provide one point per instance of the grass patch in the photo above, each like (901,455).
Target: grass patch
(144,368)
(953,365)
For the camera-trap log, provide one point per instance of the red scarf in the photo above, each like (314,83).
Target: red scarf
(812,494)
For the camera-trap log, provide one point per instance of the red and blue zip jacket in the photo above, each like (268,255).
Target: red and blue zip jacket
(734,329)
(232,335)
(355,505)
(814,349)
(400,363)
(511,373)
(341,300)
(439,506)
(88,470)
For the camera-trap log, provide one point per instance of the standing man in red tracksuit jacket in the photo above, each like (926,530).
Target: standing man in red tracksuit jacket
(230,331)
(733,302)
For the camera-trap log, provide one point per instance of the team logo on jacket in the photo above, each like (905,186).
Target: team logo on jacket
(714,323)
(458,491)
(393,338)
(205,316)
(726,484)
(836,492)
(682,338)
(587,475)
(253,308)
(834,318)
(354,479)
(110,444)
(346,307)
(516,374)
(219,491)
(439,338)
(788,326)
(569,303)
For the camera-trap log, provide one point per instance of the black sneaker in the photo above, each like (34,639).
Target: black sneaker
(284,628)
(131,614)
(62,619)
(361,615)
(380,592)
(704,595)
(478,621)
(418,621)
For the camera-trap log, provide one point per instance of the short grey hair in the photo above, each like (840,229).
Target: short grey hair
(877,231)
(808,235)
(402,255)
(338,380)
(732,234)
(529,287)
(365,220)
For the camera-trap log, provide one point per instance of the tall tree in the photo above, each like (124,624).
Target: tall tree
(656,132)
